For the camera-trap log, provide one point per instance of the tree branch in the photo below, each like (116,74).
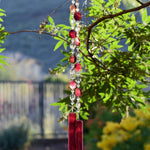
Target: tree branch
(140,2)
(110,17)
(35,31)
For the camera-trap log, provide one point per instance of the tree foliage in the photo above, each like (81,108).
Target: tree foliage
(2,38)
(116,63)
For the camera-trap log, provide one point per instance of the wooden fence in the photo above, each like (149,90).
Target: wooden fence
(31,100)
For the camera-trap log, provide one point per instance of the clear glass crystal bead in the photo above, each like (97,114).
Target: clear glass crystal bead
(78,85)
(72,52)
(77,29)
(72,21)
(72,103)
(78,80)
(78,99)
(72,41)
(72,72)
(72,46)
(78,105)
(72,91)
(78,23)
(73,1)
(77,55)
(78,111)
(77,4)
(72,97)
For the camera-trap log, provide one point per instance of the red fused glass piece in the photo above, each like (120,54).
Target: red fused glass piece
(77,16)
(77,41)
(72,84)
(77,67)
(79,135)
(72,33)
(72,59)
(78,92)
(71,131)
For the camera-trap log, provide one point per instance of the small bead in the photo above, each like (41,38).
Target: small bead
(77,9)
(77,4)
(72,103)
(77,67)
(72,21)
(72,33)
(72,8)
(78,105)
(77,16)
(78,80)
(72,84)
(72,46)
(77,29)
(72,97)
(77,41)
(77,55)
(72,72)
(78,92)
(72,59)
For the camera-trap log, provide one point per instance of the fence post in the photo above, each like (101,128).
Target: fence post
(41,107)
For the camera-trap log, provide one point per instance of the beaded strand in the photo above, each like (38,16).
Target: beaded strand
(75,55)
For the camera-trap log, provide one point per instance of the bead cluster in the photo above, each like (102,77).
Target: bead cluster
(74,58)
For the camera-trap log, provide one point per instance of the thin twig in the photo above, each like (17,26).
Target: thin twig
(34,31)
(110,17)
(140,2)
(58,7)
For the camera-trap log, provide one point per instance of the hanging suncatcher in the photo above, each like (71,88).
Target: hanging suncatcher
(75,126)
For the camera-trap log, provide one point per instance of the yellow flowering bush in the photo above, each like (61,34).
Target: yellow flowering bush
(133,133)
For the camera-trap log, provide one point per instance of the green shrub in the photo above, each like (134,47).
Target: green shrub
(132,133)
(15,137)
(95,124)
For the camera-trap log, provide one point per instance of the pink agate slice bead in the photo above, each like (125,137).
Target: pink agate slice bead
(72,59)
(72,33)
(77,41)
(78,92)
(77,67)
(72,85)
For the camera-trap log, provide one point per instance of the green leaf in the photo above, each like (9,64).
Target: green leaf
(3,56)
(1,20)
(51,20)
(55,104)
(144,15)
(65,45)
(2,49)
(2,14)
(2,10)
(58,45)
(3,62)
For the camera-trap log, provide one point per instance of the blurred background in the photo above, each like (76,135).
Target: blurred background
(26,87)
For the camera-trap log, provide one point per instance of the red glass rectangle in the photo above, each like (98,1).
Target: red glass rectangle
(71,131)
(79,135)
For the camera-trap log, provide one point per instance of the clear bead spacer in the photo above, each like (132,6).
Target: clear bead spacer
(72,46)
(78,105)
(78,80)
(73,1)
(72,97)
(77,55)
(72,72)
(72,103)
